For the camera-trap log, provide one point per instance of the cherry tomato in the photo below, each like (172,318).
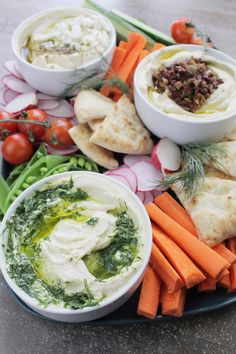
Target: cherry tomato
(57,136)
(6,129)
(181,32)
(33,131)
(17,149)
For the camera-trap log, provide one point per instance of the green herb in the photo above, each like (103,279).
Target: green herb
(191,177)
(92,221)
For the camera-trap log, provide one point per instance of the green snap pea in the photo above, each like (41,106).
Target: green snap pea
(43,170)
(81,161)
(25,185)
(88,166)
(31,179)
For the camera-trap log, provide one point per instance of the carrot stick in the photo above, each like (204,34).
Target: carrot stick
(171,207)
(183,265)
(133,38)
(157,46)
(231,245)
(116,97)
(150,293)
(142,55)
(117,60)
(130,60)
(123,44)
(105,90)
(225,282)
(172,303)
(203,255)
(206,286)
(164,270)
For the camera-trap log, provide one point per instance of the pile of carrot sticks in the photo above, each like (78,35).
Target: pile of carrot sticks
(180,261)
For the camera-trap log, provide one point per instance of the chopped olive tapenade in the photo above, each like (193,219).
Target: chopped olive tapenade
(189,82)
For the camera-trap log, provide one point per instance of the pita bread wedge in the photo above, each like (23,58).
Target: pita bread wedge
(231,136)
(81,134)
(213,210)
(95,123)
(122,131)
(227,164)
(90,104)
(213,172)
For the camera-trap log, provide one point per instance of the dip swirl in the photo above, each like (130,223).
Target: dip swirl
(72,245)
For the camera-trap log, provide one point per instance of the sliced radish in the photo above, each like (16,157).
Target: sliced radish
(44,97)
(147,175)
(156,193)
(166,155)
(72,101)
(141,196)
(10,65)
(129,175)
(17,85)
(148,197)
(70,150)
(5,78)
(22,102)
(2,92)
(49,104)
(9,95)
(120,179)
(131,159)
(65,110)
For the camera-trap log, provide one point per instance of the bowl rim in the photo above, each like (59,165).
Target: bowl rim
(21,27)
(52,309)
(197,120)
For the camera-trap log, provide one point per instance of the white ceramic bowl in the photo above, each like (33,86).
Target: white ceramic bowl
(184,130)
(122,294)
(51,81)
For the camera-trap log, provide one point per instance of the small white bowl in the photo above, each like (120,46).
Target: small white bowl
(184,130)
(54,81)
(111,303)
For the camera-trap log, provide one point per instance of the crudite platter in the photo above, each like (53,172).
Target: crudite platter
(118,181)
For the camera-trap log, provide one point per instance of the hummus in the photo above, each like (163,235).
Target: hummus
(72,244)
(68,42)
(221,102)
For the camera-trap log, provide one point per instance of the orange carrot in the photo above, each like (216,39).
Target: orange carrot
(143,54)
(231,245)
(157,46)
(117,60)
(183,265)
(203,255)
(130,60)
(225,252)
(140,58)
(171,207)
(225,282)
(123,44)
(105,90)
(164,270)
(133,38)
(116,97)
(150,293)
(172,303)
(206,286)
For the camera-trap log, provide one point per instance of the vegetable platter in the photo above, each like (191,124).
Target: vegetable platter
(112,129)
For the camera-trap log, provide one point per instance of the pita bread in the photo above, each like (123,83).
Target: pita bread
(232,135)
(122,131)
(95,123)
(227,164)
(213,172)
(81,134)
(213,210)
(90,104)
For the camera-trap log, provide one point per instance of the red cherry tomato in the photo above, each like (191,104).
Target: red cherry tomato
(57,136)
(6,129)
(33,131)
(17,149)
(181,32)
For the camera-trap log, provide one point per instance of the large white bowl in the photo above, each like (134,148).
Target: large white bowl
(184,130)
(54,81)
(111,303)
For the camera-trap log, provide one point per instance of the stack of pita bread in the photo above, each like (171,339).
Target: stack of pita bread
(106,127)
(213,209)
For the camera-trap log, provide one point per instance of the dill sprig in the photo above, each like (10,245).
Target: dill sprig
(191,177)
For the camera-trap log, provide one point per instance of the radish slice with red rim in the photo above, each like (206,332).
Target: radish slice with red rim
(148,197)
(22,102)
(65,110)
(129,175)
(68,151)
(147,175)
(49,104)
(9,95)
(141,196)
(166,155)
(2,92)
(17,85)
(44,97)
(120,179)
(10,65)
(129,160)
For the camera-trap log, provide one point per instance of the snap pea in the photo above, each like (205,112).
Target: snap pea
(4,188)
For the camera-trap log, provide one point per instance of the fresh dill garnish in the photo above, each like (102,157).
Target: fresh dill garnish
(191,177)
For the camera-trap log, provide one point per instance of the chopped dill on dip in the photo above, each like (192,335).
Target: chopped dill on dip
(72,244)
(68,42)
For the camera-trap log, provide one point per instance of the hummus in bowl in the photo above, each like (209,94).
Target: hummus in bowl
(181,88)
(75,246)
